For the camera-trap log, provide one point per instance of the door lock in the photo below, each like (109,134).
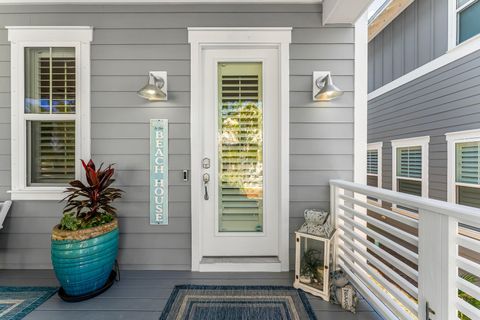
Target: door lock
(206,163)
(206,179)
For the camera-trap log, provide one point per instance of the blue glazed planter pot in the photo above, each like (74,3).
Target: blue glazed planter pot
(83,259)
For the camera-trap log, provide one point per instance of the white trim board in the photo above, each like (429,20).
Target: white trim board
(452,24)
(360,100)
(453,13)
(200,39)
(423,142)
(379,147)
(458,52)
(154,1)
(452,139)
(58,36)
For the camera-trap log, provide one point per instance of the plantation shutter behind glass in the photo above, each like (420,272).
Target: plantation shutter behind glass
(372,169)
(50,90)
(409,165)
(240,147)
(372,161)
(468,173)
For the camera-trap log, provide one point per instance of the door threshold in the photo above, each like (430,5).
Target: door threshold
(240,264)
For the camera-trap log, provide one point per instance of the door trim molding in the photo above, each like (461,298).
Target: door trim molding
(201,39)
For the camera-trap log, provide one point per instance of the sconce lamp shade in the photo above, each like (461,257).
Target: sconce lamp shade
(154,89)
(151,92)
(327,90)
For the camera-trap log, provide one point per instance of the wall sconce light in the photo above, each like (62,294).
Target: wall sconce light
(156,87)
(323,87)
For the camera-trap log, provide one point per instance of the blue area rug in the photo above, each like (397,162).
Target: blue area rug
(17,302)
(192,302)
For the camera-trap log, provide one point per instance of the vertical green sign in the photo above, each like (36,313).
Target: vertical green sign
(158,171)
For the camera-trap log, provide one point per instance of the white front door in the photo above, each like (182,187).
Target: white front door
(240,149)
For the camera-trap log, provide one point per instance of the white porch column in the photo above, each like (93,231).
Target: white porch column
(437,269)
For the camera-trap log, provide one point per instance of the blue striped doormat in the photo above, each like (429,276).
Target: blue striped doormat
(194,302)
(17,302)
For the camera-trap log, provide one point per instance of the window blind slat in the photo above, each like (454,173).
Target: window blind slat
(468,196)
(410,187)
(409,162)
(51,88)
(240,147)
(372,161)
(468,162)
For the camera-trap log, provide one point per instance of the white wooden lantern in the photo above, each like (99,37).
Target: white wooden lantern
(313,262)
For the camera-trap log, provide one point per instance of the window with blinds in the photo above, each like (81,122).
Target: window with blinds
(50,106)
(240,149)
(409,170)
(372,162)
(467,176)
(372,170)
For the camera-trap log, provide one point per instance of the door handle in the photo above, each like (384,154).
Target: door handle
(206,179)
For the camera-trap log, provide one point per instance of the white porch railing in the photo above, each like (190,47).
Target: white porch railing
(409,263)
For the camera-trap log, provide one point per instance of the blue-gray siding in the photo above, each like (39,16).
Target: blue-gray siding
(128,42)
(417,36)
(445,100)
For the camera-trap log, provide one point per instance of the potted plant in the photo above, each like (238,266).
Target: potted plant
(85,243)
(312,267)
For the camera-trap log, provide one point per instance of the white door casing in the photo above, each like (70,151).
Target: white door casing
(271,47)
(214,242)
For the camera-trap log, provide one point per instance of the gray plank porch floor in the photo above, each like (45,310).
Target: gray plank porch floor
(142,294)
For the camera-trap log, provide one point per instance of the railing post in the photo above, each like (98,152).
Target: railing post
(334,212)
(437,271)
(334,220)
(333,205)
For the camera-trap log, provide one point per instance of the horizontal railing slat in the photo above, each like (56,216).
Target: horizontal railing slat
(469,266)
(469,288)
(394,291)
(464,214)
(397,263)
(404,284)
(410,238)
(374,299)
(468,243)
(406,253)
(467,309)
(391,214)
(376,245)
(399,311)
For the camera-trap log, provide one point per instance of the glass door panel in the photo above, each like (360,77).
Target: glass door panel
(240,147)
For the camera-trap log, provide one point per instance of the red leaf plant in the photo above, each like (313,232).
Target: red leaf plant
(90,204)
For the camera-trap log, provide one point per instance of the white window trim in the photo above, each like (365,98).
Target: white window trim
(21,37)
(422,142)
(453,21)
(452,139)
(199,39)
(378,147)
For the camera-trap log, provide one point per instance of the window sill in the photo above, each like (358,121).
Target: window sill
(466,43)
(46,193)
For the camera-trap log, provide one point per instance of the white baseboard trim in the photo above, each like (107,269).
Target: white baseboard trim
(241,267)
